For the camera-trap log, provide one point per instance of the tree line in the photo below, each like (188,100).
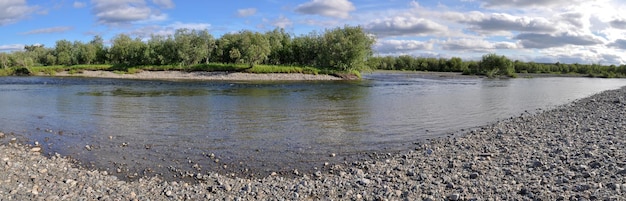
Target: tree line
(492,65)
(346,49)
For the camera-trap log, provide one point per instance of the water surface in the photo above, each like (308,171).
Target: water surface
(154,127)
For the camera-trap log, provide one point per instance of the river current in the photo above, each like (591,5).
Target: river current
(130,127)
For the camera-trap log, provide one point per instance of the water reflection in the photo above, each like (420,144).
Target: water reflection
(267,126)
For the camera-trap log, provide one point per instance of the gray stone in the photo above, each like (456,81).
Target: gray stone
(454,197)
(473,175)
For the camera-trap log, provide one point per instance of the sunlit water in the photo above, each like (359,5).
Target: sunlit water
(145,126)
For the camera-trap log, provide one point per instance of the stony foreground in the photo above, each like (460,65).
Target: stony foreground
(574,152)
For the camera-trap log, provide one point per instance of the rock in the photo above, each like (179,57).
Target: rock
(364,181)
(536,164)
(169,193)
(13,140)
(2,135)
(454,197)
(35,149)
(88,147)
(473,175)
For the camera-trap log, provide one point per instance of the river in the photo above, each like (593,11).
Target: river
(135,128)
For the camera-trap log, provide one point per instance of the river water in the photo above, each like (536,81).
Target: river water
(135,128)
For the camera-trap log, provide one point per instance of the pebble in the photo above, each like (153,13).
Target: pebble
(35,149)
(473,175)
(454,197)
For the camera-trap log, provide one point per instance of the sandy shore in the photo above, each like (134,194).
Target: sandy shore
(574,152)
(179,75)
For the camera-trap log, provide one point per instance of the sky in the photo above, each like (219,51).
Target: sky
(546,31)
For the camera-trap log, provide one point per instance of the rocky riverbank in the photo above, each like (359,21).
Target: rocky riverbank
(179,75)
(574,152)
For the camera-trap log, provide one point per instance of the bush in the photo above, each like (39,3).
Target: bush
(492,64)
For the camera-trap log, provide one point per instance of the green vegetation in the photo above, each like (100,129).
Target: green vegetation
(344,51)
(340,50)
(493,65)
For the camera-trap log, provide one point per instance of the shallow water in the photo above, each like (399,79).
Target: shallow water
(154,127)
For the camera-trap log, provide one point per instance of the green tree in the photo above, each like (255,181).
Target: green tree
(280,42)
(128,52)
(85,53)
(4,60)
(63,52)
(254,47)
(492,64)
(101,52)
(346,48)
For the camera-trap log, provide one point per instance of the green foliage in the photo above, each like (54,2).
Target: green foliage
(334,51)
(346,49)
(6,71)
(492,65)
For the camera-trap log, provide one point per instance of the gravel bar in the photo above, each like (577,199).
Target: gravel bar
(180,75)
(573,152)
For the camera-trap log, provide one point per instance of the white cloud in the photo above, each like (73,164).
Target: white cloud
(247,12)
(12,47)
(147,31)
(121,12)
(576,19)
(59,29)
(320,23)
(618,23)
(535,40)
(282,22)
(404,26)
(329,8)
(12,11)
(502,22)
(583,55)
(401,46)
(166,4)
(78,4)
(479,45)
(619,44)
(192,26)
(516,4)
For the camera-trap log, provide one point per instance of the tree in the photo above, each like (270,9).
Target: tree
(37,53)
(85,53)
(346,48)
(101,52)
(500,65)
(4,60)
(129,52)
(280,43)
(63,52)
(254,47)
(207,44)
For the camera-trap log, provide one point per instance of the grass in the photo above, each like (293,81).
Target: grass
(211,67)
(6,72)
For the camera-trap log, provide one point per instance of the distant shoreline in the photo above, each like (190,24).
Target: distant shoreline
(180,75)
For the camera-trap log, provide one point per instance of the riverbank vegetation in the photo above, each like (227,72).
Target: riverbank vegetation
(340,51)
(336,51)
(493,65)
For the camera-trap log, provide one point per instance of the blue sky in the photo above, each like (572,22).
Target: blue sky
(568,31)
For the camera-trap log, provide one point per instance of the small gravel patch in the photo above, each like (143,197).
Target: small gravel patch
(179,75)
